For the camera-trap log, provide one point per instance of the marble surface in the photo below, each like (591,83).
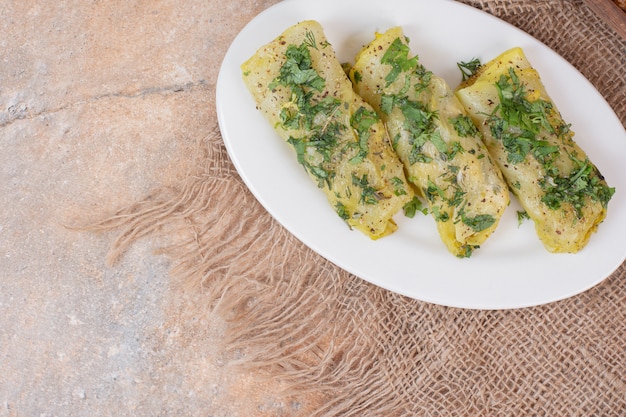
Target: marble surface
(101,102)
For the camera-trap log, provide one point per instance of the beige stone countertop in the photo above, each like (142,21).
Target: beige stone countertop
(100,102)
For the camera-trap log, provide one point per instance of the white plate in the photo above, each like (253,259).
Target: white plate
(512,269)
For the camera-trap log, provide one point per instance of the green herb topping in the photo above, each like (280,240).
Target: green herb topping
(369,195)
(467,250)
(361,121)
(521,125)
(412,207)
(521,121)
(469,68)
(397,55)
(521,216)
(585,181)
(464,126)
(320,117)
(478,223)
(419,123)
(398,186)
(297,72)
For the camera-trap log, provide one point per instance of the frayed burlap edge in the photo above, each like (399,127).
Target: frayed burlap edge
(294,317)
(289,312)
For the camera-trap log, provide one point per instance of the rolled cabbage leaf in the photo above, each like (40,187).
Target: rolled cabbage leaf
(440,147)
(559,188)
(303,91)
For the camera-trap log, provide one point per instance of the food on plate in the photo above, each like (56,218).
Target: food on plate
(435,139)
(301,88)
(560,189)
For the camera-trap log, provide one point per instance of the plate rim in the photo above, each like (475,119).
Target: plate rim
(314,245)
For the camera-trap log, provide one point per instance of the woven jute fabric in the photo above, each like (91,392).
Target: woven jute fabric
(359,350)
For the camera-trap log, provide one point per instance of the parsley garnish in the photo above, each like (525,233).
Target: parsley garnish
(439,143)
(342,211)
(585,181)
(464,126)
(478,223)
(466,251)
(412,207)
(469,68)
(323,176)
(520,121)
(397,55)
(433,190)
(457,198)
(369,195)
(440,215)
(302,112)
(398,186)
(297,71)
(521,216)
(419,124)
(361,121)
(454,149)
(418,119)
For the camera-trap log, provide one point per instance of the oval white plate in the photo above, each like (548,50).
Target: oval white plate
(512,269)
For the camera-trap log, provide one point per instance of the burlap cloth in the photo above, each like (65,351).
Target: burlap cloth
(344,347)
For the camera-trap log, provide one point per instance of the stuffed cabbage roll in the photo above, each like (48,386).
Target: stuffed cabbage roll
(560,189)
(435,139)
(303,91)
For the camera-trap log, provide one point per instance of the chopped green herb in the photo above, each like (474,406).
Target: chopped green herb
(520,123)
(298,71)
(479,222)
(423,79)
(417,156)
(531,116)
(303,112)
(397,55)
(433,190)
(323,176)
(369,195)
(563,129)
(464,126)
(413,206)
(418,120)
(521,216)
(467,250)
(439,143)
(455,148)
(342,211)
(398,186)
(457,198)
(469,68)
(584,182)
(387,102)
(310,39)
(419,124)
(439,214)
(361,121)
